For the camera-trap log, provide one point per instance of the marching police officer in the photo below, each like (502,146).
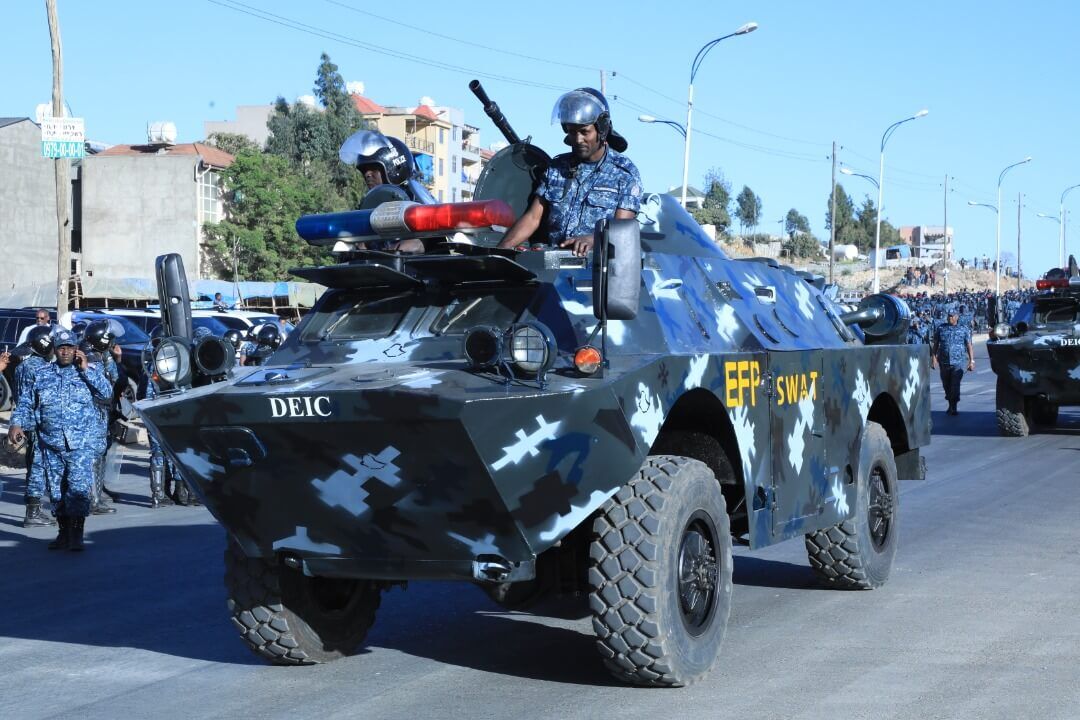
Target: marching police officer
(951,346)
(593,182)
(67,395)
(40,343)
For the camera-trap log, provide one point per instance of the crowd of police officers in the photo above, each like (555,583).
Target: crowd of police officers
(68,390)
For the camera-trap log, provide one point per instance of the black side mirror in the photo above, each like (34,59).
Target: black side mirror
(173,296)
(616,269)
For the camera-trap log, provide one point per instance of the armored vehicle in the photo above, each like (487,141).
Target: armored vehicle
(1036,356)
(538,422)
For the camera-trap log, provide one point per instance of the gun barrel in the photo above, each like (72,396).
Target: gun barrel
(491,108)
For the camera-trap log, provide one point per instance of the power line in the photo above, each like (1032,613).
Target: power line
(354,42)
(469,43)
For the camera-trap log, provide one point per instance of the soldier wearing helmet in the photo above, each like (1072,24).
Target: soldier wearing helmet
(593,182)
(40,344)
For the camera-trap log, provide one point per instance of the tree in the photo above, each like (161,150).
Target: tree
(233,143)
(845,211)
(795,222)
(802,245)
(748,208)
(714,210)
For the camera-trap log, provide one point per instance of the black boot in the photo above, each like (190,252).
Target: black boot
(35,516)
(61,541)
(157,488)
(99,501)
(75,534)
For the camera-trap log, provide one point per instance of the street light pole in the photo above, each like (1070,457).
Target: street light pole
(747,28)
(1061,218)
(997,273)
(880,196)
(650,119)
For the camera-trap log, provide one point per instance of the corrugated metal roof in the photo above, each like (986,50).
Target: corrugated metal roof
(5,121)
(209,154)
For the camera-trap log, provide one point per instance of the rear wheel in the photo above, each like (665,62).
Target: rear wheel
(660,574)
(1045,413)
(1013,413)
(289,618)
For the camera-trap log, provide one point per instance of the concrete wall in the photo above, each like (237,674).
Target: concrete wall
(27,210)
(135,208)
(250,121)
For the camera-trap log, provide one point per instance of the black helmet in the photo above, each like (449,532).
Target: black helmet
(269,336)
(369,147)
(234,336)
(587,106)
(40,340)
(99,335)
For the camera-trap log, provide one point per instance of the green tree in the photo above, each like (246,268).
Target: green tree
(866,217)
(802,245)
(715,207)
(748,209)
(795,222)
(232,143)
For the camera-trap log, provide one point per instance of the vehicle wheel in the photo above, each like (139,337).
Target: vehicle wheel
(1012,411)
(291,619)
(660,574)
(1045,413)
(857,554)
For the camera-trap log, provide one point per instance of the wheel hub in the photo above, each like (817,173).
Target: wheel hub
(699,572)
(881,509)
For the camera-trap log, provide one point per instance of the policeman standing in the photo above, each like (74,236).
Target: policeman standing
(951,346)
(102,353)
(148,391)
(41,350)
(67,395)
(593,182)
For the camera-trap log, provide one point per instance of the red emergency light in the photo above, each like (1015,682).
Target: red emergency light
(458,216)
(404,219)
(1050,284)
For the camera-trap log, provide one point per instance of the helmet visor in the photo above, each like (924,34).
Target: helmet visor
(362,144)
(577,108)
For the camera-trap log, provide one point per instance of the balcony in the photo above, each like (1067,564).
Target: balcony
(470,154)
(419,144)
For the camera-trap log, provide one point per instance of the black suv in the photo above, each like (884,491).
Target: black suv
(13,322)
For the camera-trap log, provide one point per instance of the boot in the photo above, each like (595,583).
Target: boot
(113,495)
(157,488)
(35,516)
(61,541)
(99,504)
(75,534)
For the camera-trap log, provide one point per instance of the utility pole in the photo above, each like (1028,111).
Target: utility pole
(832,217)
(945,241)
(62,167)
(603,83)
(1019,213)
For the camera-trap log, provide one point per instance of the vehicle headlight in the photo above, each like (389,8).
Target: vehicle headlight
(532,348)
(172,362)
(1002,330)
(484,347)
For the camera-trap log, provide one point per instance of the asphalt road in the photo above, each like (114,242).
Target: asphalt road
(979,620)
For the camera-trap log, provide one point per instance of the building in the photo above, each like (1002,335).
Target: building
(28,237)
(140,201)
(250,121)
(929,243)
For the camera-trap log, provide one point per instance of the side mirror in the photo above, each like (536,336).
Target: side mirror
(616,266)
(173,296)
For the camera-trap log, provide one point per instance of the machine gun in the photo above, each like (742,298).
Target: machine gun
(491,108)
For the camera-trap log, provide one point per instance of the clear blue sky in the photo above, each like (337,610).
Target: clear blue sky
(998,78)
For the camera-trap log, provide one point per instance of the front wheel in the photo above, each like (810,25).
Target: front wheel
(289,618)
(857,554)
(1013,411)
(660,574)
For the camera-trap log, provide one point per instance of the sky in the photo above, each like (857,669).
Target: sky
(997,77)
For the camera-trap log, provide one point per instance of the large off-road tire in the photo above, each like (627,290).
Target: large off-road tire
(1045,413)
(660,574)
(291,619)
(857,554)
(1013,413)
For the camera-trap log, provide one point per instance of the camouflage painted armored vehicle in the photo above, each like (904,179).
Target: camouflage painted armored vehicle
(1036,356)
(537,422)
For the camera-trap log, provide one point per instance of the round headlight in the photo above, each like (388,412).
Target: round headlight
(483,347)
(172,362)
(532,348)
(1002,330)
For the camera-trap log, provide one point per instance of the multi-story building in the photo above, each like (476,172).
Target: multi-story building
(250,121)
(928,242)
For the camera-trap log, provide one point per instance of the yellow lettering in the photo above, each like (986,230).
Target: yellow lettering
(779,391)
(813,383)
(731,382)
(802,387)
(755,380)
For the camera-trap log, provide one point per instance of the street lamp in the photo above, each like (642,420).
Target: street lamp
(1061,216)
(849,171)
(650,119)
(997,274)
(694,67)
(881,181)
(1058,221)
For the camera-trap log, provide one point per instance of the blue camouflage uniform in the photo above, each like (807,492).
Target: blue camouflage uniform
(581,194)
(35,473)
(148,391)
(950,346)
(71,436)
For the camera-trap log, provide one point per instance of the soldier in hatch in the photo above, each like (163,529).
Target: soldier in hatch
(593,182)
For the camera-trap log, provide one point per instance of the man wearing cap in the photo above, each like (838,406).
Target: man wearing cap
(67,396)
(593,182)
(951,346)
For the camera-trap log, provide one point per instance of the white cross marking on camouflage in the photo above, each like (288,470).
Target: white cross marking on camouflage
(649,416)
(562,524)
(802,294)
(862,395)
(345,488)
(912,382)
(839,498)
(888,364)
(744,433)
(727,323)
(797,438)
(301,541)
(527,444)
(696,374)
(1075,373)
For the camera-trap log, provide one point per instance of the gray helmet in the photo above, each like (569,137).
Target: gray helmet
(369,147)
(587,106)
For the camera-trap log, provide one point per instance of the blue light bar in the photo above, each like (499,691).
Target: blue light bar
(328,228)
